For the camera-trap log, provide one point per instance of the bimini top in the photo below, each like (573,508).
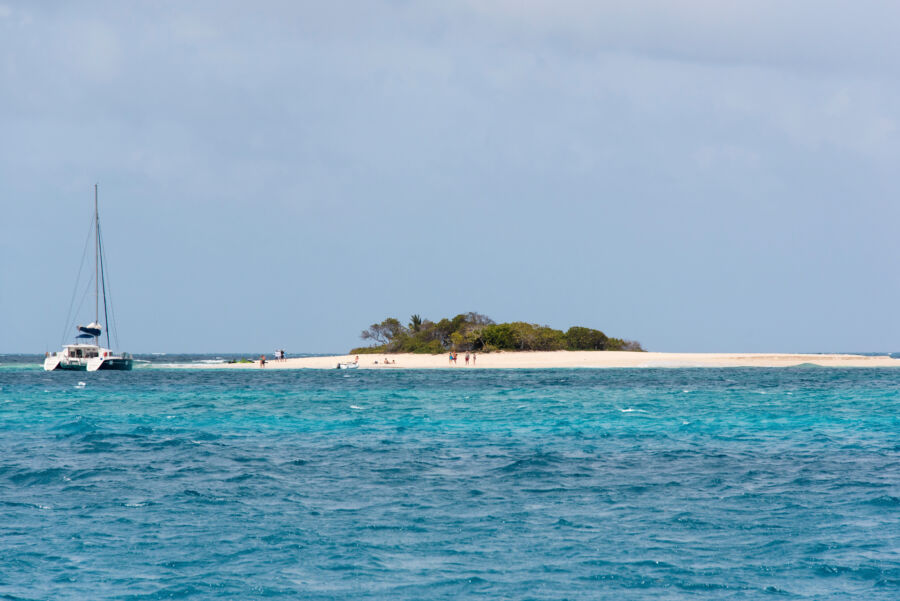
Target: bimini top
(92,330)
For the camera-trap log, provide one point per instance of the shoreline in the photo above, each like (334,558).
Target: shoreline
(563,360)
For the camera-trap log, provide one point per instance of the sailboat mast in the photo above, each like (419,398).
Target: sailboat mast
(96,264)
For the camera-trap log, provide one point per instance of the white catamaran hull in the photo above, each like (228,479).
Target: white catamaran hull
(84,357)
(110,363)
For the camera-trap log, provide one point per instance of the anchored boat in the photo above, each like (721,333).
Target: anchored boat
(84,356)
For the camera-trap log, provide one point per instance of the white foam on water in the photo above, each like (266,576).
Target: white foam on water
(355,407)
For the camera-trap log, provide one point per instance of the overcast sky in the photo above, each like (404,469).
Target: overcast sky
(696,175)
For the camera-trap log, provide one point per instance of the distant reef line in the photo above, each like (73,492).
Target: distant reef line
(475,332)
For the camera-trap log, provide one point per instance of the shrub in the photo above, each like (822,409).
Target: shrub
(473,331)
(585,339)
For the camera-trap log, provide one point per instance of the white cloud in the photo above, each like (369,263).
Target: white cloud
(802,35)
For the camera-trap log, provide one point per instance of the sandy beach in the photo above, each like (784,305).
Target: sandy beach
(569,359)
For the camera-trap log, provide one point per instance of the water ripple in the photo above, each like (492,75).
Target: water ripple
(564,484)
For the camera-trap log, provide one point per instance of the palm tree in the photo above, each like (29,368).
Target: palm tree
(415,322)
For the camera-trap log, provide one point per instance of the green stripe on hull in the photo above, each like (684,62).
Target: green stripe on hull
(116,364)
(73,367)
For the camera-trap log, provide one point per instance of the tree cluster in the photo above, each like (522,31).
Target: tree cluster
(477,332)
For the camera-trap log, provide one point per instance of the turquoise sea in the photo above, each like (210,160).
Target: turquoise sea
(450,484)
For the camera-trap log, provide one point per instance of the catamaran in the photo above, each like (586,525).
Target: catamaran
(85,356)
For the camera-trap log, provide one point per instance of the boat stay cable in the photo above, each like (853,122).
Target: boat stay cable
(84,295)
(69,315)
(114,327)
(103,281)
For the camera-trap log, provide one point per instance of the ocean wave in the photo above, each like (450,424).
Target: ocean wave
(507,486)
(33,477)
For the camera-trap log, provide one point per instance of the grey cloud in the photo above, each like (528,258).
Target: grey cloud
(697,150)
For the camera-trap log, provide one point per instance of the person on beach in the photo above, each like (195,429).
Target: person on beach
(451,357)
(356,360)
(467,359)
(473,359)
(262,360)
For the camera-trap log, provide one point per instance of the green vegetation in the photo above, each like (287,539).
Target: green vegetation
(477,332)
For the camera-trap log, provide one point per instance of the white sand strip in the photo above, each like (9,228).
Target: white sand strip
(567,359)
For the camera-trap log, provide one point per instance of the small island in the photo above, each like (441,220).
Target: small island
(424,344)
(476,332)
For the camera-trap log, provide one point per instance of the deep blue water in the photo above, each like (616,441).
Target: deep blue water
(455,484)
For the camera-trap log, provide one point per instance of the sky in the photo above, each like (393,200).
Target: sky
(697,176)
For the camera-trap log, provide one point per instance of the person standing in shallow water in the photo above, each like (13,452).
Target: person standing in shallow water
(262,360)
